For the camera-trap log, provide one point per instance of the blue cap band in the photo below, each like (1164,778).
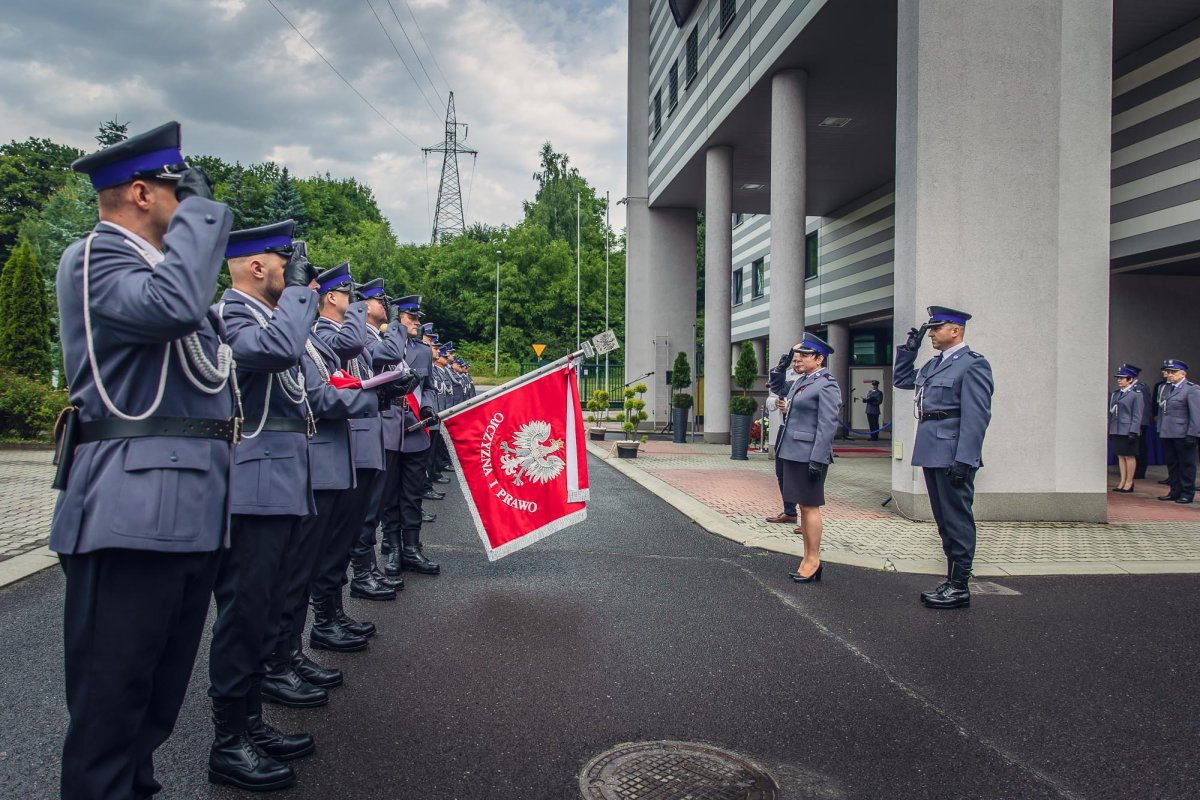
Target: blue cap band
(331,283)
(123,171)
(948,318)
(251,246)
(376,292)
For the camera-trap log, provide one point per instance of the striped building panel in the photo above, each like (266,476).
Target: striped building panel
(1156,146)
(855,255)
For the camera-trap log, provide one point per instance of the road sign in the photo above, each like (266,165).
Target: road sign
(538,348)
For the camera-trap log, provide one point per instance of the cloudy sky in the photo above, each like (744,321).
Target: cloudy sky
(246,87)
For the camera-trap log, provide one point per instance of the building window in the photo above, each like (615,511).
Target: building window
(657,112)
(693,56)
(871,348)
(738,292)
(758,278)
(728,12)
(672,87)
(738,219)
(810,256)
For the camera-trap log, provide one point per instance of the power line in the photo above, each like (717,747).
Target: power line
(423,39)
(437,115)
(340,75)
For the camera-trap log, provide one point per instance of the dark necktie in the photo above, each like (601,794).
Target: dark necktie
(937,362)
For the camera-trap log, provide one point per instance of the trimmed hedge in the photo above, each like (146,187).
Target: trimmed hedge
(28,408)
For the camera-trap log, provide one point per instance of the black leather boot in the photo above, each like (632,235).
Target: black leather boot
(279,746)
(392,567)
(925,596)
(433,494)
(311,671)
(328,633)
(427,517)
(363,629)
(396,583)
(283,685)
(235,760)
(956,594)
(385,546)
(411,557)
(364,584)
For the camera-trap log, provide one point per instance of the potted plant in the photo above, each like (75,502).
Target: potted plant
(742,407)
(598,405)
(681,401)
(635,412)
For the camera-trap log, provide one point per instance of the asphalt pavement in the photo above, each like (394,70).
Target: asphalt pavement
(503,680)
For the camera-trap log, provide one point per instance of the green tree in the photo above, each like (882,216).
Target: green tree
(681,378)
(30,172)
(112,132)
(746,370)
(285,203)
(68,215)
(25,326)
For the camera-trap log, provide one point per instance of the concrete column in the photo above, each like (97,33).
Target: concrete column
(718,272)
(638,344)
(838,337)
(669,304)
(788,185)
(1002,175)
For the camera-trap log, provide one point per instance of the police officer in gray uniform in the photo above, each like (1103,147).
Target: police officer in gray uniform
(383,351)
(1147,417)
(873,403)
(779,383)
(1179,428)
(953,407)
(144,459)
(805,445)
(402,520)
(267,313)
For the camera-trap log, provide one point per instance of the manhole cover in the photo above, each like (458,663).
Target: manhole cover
(673,771)
(988,587)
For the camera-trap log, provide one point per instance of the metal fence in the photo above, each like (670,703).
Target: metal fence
(592,377)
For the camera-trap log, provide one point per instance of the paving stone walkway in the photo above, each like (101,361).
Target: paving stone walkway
(733,498)
(26,499)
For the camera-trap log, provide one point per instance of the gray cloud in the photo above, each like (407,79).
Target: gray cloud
(247,88)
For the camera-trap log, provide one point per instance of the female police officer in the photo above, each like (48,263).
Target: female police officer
(1124,425)
(806,445)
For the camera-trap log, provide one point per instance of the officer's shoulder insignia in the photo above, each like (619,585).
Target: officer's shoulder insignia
(973,354)
(829,377)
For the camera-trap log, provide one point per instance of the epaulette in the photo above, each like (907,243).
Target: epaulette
(973,354)
(829,377)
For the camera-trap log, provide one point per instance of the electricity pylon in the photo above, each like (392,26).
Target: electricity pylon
(449,216)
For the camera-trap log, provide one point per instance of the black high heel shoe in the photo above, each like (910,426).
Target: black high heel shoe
(814,578)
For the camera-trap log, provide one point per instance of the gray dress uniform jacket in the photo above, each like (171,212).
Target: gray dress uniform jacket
(1147,402)
(386,350)
(873,401)
(271,474)
(331,449)
(458,388)
(812,418)
(1179,411)
(418,356)
(349,342)
(162,494)
(961,383)
(1125,411)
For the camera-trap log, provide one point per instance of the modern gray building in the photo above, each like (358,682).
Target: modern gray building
(1035,163)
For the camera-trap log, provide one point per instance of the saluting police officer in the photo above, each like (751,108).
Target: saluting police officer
(954,407)
(402,517)
(1179,427)
(141,519)
(873,403)
(383,351)
(779,384)
(267,314)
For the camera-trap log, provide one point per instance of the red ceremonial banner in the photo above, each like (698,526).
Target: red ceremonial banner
(521,462)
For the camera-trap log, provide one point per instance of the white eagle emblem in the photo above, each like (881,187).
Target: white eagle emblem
(531,456)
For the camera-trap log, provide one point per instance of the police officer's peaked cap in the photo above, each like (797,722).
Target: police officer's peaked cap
(446,349)
(1125,372)
(814,344)
(940,315)
(372,289)
(409,304)
(336,279)
(276,237)
(427,329)
(153,154)
(1174,363)
(874,383)
(1131,368)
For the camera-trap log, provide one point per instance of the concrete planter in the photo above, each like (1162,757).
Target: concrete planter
(627,449)
(597,434)
(679,425)
(739,435)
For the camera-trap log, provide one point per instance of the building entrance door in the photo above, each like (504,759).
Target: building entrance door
(860,384)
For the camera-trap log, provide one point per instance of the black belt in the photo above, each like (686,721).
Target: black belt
(187,427)
(949,413)
(286,425)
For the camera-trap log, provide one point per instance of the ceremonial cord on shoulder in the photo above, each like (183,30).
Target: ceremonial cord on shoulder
(292,388)
(189,349)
